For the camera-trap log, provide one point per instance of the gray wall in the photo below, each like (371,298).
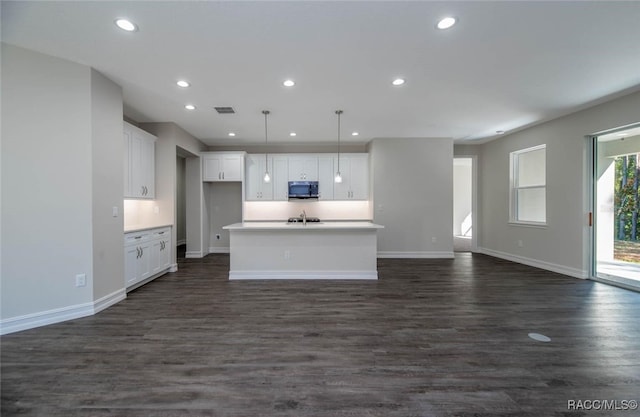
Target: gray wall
(107,148)
(58,118)
(413,196)
(564,244)
(225,207)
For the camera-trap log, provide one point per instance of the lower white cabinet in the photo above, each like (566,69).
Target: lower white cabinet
(146,254)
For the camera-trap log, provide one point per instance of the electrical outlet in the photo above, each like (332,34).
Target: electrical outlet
(433,239)
(287,254)
(520,244)
(81,280)
(217,237)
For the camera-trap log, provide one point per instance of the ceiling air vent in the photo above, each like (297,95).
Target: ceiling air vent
(225,110)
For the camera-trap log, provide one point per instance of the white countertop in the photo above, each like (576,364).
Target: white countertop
(284,225)
(138,228)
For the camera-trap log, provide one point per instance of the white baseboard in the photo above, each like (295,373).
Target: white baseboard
(193,254)
(58,315)
(109,300)
(239,275)
(425,255)
(219,249)
(173,268)
(181,242)
(560,269)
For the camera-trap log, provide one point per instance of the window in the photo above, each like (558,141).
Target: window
(528,186)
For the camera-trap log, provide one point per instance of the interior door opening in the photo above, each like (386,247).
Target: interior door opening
(463,204)
(617,207)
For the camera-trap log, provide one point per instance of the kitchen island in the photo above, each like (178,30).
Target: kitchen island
(323,250)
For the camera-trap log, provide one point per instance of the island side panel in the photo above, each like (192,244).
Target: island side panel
(303,254)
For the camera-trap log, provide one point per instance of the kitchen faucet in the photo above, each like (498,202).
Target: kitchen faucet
(304,217)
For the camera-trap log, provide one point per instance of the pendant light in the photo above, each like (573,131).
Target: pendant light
(267,177)
(338,177)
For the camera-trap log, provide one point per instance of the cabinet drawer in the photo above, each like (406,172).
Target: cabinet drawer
(136,238)
(165,232)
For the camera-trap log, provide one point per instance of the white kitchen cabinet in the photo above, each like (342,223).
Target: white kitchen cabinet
(326,175)
(161,250)
(222,166)
(139,162)
(303,168)
(256,189)
(147,254)
(279,178)
(354,169)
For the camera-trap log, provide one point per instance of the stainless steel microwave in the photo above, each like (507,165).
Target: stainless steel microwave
(303,189)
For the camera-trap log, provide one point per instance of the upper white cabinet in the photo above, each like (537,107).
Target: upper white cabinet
(258,190)
(303,168)
(139,162)
(354,169)
(283,168)
(222,166)
(326,175)
(279,178)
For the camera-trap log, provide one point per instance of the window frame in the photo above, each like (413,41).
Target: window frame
(513,188)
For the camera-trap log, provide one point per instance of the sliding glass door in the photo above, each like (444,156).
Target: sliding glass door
(617,207)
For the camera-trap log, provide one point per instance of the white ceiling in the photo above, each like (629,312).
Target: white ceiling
(505,65)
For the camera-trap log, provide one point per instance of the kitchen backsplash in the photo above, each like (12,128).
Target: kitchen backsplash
(141,213)
(325,210)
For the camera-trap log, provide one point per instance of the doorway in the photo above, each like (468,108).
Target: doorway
(616,201)
(464,204)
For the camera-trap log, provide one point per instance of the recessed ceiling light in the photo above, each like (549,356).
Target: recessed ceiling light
(354,133)
(446,23)
(500,132)
(183,83)
(293,134)
(398,81)
(232,134)
(126,24)
(190,107)
(289,83)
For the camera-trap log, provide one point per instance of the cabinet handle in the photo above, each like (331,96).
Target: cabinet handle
(138,237)
(146,190)
(222,174)
(141,252)
(219,176)
(137,252)
(161,233)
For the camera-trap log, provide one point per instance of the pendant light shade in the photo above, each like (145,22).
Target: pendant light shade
(267,177)
(338,178)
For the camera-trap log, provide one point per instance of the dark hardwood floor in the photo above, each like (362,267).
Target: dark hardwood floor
(429,338)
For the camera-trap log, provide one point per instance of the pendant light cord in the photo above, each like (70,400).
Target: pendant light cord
(338,112)
(266,164)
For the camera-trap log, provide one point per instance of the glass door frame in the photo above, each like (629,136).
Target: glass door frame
(592,153)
